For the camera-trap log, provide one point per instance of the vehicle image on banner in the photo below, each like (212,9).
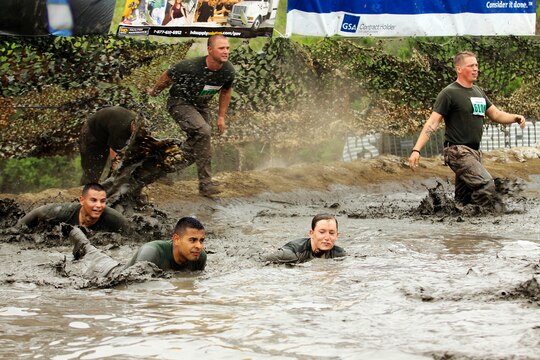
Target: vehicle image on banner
(252,13)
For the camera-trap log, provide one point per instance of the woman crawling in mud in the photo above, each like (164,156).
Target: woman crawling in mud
(320,243)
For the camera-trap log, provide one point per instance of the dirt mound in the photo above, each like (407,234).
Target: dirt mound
(384,172)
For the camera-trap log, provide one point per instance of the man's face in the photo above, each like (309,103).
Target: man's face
(93,203)
(219,51)
(189,245)
(468,69)
(324,235)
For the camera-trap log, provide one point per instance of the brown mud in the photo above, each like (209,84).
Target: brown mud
(376,181)
(448,283)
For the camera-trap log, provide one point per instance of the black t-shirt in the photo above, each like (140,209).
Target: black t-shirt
(464,110)
(205,12)
(112,126)
(194,83)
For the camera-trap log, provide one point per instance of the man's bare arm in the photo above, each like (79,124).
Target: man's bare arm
(432,124)
(163,82)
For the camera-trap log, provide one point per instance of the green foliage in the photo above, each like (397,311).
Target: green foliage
(268,79)
(287,94)
(19,175)
(53,105)
(69,62)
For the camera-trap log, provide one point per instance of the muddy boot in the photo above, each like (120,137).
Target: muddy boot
(208,189)
(79,241)
(99,264)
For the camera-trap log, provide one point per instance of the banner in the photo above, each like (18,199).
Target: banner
(56,17)
(199,18)
(411,17)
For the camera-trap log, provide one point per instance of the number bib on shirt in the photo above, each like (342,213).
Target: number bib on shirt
(211,90)
(478,106)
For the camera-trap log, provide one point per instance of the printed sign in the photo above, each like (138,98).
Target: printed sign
(199,18)
(410,18)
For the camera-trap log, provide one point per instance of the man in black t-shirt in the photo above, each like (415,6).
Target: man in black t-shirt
(103,135)
(319,244)
(463,106)
(193,83)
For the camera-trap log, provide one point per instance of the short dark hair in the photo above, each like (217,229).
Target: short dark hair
(92,186)
(187,223)
(212,39)
(320,217)
(458,58)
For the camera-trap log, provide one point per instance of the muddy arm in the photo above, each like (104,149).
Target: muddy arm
(145,253)
(33,218)
(282,256)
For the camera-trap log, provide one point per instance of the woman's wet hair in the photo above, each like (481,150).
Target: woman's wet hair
(187,223)
(320,217)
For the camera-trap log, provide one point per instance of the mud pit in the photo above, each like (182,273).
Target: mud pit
(443,286)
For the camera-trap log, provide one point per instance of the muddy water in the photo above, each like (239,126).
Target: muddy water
(412,287)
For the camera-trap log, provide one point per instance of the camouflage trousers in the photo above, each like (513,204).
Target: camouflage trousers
(474,185)
(197,148)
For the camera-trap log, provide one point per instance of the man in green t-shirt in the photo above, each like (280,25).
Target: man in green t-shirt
(183,252)
(319,244)
(103,135)
(463,106)
(193,83)
(90,212)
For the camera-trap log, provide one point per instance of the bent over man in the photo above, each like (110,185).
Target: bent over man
(103,135)
(319,244)
(462,106)
(193,84)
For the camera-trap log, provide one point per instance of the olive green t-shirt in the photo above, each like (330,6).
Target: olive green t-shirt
(194,83)
(109,221)
(464,110)
(160,252)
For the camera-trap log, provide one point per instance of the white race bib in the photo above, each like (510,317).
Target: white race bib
(478,106)
(210,90)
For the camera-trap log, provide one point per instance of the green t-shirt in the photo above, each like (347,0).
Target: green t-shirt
(195,84)
(298,251)
(160,252)
(112,126)
(109,221)
(464,110)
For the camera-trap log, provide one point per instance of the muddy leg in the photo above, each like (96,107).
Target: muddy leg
(94,156)
(96,263)
(197,147)
(474,184)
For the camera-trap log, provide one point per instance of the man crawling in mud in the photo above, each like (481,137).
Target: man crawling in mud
(90,212)
(319,244)
(183,252)
(463,106)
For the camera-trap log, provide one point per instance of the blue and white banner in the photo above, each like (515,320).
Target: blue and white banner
(411,17)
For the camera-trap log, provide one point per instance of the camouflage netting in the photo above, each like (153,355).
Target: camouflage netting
(287,95)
